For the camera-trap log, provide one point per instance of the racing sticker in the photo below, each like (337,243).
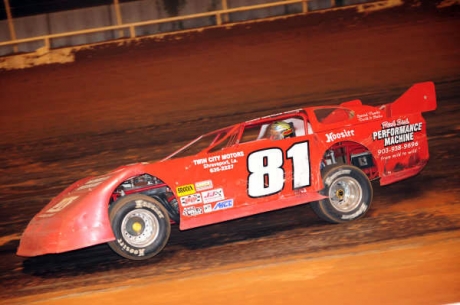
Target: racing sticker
(398,138)
(203,185)
(368,116)
(191,199)
(59,206)
(185,190)
(213,195)
(93,183)
(207,208)
(346,133)
(222,205)
(397,132)
(192,211)
(219,163)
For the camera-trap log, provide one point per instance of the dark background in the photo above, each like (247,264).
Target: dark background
(23,8)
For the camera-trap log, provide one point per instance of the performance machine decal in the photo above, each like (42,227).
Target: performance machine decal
(397,132)
(398,138)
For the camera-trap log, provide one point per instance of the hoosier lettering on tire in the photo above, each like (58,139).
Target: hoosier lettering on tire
(141,226)
(349,194)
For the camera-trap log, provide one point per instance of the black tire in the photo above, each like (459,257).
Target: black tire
(349,194)
(141,226)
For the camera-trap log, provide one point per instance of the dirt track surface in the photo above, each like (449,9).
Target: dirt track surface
(137,103)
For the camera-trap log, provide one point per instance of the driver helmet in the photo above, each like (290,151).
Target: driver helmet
(280,130)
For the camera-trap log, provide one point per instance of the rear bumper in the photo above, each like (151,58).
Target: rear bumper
(401,175)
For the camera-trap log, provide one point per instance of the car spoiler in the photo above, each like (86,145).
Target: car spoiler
(420,97)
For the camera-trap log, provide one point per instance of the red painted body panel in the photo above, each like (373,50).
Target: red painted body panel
(77,218)
(231,177)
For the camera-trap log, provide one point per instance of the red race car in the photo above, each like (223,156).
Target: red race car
(325,156)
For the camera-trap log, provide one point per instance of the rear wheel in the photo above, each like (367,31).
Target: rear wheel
(349,194)
(141,226)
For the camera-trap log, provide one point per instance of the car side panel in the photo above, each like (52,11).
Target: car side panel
(398,143)
(244,179)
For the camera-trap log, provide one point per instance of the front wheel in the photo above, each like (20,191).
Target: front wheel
(141,226)
(349,194)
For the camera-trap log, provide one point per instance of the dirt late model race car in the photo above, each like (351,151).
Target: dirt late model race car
(325,156)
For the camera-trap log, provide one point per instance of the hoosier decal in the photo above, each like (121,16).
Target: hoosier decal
(346,133)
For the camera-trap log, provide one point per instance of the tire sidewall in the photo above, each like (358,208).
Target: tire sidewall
(118,212)
(360,210)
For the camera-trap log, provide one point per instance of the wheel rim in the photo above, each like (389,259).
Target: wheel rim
(140,228)
(345,194)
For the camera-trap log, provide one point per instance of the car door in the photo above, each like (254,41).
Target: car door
(249,177)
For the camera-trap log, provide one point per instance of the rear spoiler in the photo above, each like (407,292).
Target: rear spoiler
(420,97)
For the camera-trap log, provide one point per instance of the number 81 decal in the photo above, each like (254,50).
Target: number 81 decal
(266,172)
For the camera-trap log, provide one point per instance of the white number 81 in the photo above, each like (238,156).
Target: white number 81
(266,172)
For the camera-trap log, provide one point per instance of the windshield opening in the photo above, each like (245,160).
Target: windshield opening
(199,144)
(332,115)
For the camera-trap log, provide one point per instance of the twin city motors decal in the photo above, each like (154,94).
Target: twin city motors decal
(219,163)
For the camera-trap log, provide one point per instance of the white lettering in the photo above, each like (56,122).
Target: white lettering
(332,136)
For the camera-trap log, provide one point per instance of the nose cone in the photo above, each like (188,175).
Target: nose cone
(80,224)
(42,236)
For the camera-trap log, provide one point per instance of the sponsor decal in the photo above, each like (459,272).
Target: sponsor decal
(93,183)
(397,132)
(191,199)
(219,163)
(192,211)
(368,116)
(185,190)
(213,195)
(203,185)
(398,138)
(222,205)
(346,133)
(59,206)
(207,208)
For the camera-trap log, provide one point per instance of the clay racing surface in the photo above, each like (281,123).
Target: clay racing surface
(115,106)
